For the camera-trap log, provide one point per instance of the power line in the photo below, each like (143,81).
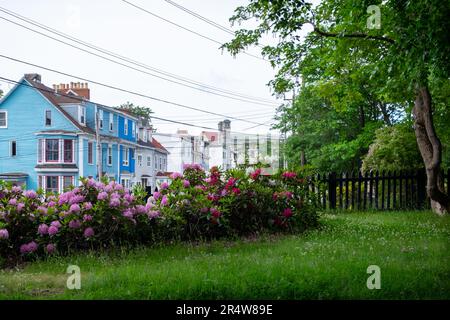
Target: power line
(125,90)
(192,83)
(81,99)
(195,14)
(184,28)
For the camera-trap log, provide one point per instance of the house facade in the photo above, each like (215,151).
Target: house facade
(48,137)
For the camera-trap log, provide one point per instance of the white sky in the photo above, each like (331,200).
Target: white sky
(125,30)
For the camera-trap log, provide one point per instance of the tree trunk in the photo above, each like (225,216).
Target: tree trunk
(430,149)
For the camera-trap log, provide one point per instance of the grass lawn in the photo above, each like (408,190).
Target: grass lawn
(411,248)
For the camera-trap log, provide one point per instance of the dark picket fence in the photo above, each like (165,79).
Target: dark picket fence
(373,191)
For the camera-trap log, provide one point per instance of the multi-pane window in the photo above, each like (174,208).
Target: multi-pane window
(13,148)
(155,162)
(90,152)
(160,163)
(149,161)
(125,126)
(51,184)
(139,158)
(125,157)
(3,119)
(67,182)
(109,156)
(51,150)
(68,150)
(133,129)
(48,117)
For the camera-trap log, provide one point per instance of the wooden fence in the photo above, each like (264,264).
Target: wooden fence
(377,191)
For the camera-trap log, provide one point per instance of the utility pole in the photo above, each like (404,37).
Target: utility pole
(99,146)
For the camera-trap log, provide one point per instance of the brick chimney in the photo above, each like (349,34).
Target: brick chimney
(79,88)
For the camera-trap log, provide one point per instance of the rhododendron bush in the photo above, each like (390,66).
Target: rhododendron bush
(196,205)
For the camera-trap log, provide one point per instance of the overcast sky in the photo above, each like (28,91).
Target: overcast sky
(118,27)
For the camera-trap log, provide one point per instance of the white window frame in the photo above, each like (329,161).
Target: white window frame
(139,160)
(125,126)
(87,152)
(109,156)
(126,157)
(111,122)
(5,112)
(82,115)
(133,129)
(149,161)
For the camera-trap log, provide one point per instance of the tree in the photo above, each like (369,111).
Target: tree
(405,56)
(138,111)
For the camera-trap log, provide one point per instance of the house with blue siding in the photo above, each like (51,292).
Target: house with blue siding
(48,137)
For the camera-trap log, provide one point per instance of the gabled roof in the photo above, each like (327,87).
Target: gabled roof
(158,145)
(57,99)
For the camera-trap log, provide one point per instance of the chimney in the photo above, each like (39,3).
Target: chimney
(33,77)
(80,89)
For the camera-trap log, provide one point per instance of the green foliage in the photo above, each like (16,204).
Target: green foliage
(352,77)
(138,111)
(411,248)
(394,148)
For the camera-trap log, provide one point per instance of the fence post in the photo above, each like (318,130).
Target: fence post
(421,188)
(332,189)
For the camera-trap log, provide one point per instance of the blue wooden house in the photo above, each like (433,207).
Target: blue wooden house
(48,136)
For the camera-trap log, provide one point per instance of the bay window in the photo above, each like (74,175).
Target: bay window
(51,184)
(67,182)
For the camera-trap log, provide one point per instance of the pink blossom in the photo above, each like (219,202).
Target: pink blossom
(4,234)
(13,201)
(76,199)
(156,195)
(114,202)
(289,175)
(30,194)
(153,214)
(52,230)
(51,204)
(91,182)
(186,183)
(74,224)
(29,247)
(164,200)
(255,174)
(149,206)
(176,175)
(141,209)
(56,224)
(109,188)
(164,185)
(287,212)
(76,190)
(88,232)
(236,191)
(102,196)
(118,187)
(87,217)
(50,248)
(20,206)
(128,213)
(43,229)
(75,208)
(87,206)
(215,213)
(16,189)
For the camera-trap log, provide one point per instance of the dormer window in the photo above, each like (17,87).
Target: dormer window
(82,115)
